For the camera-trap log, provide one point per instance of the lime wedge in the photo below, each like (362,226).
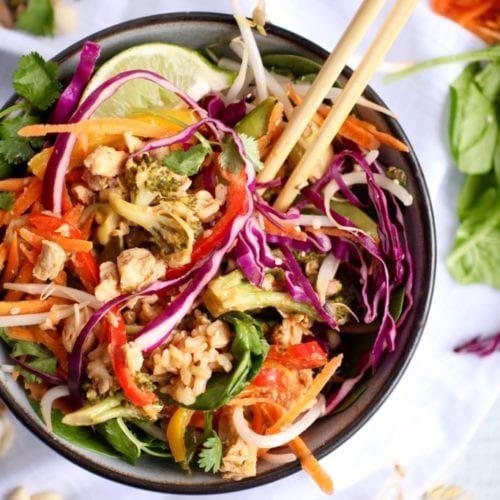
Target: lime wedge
(185,68)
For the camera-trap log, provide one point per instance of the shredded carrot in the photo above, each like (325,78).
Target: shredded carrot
(31,255)
(13,260)
(382,137)
(482,17)
(3,255)
(311,465)
(99,126)
(359,135)
(33,239)
(32,193)
(14,184)
(24,276)
(20,333)
(309,395)
(72,216)
(32,306)
(274,128)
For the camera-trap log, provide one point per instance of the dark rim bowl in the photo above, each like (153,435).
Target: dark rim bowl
(199,30)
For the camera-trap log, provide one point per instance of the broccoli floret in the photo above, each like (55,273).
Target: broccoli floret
(106,409)
(165,222)
(147,181)
(233,293)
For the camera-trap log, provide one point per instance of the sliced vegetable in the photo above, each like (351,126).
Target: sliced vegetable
(299,356)
(176,431)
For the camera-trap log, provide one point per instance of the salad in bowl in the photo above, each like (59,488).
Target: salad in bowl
(153,296)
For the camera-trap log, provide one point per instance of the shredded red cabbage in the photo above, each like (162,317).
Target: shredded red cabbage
(48,378)
(480,346)
(230,115)
(69,99)
(53,180)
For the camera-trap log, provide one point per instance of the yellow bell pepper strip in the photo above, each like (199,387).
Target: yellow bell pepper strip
(176,431)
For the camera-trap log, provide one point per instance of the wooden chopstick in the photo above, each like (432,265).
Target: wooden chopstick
(323,82)
(354,88)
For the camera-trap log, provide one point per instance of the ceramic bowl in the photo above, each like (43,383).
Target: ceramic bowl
(198,30)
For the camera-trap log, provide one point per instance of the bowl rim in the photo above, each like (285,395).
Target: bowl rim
(399,367)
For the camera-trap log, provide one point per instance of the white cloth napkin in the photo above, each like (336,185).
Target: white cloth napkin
(443,397)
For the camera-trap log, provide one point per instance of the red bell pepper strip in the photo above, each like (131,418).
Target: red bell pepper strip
(236,204)
(114,331)
(85,264)
(270,377)
(299,356)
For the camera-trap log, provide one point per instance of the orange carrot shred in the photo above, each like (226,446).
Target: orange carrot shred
(14,184)
(24,276)
(13,260)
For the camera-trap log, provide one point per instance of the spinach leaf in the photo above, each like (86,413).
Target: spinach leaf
(79,436)
(249,349)
(473,188)
(39,357)
(473,123)
(475,257)
(112,432)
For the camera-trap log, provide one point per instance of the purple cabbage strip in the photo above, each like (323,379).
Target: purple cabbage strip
(344,188)
(53,180)
(75,364)
(297,278)
(230,115)
(48,378)
(69,99)
(270,184)
(314,243)
(480,346)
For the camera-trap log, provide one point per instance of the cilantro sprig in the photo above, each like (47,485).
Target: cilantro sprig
(36,82)
(210,457)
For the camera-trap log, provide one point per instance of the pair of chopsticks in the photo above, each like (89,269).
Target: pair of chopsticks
(302,115)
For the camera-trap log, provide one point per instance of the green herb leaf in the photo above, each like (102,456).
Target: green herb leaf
(187,162)
(488,80)
(114,435)
(36,80)
(210,457)
(475,257)
(79,436)
(6,200)
(230,157)
(38,18)
(473,189)
(473,124)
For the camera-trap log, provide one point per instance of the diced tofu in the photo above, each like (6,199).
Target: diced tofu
(50,262)
(107,288)
(132,142)
(83,194)
(105,161)
(95,182)
(138,268)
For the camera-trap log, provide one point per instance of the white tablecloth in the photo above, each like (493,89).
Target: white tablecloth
(443,397)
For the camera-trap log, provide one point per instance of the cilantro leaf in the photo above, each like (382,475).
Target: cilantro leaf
(187,162)
(230,157)
(210,457)
(6,200)
(36,80)
(15,149)
(38,18)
